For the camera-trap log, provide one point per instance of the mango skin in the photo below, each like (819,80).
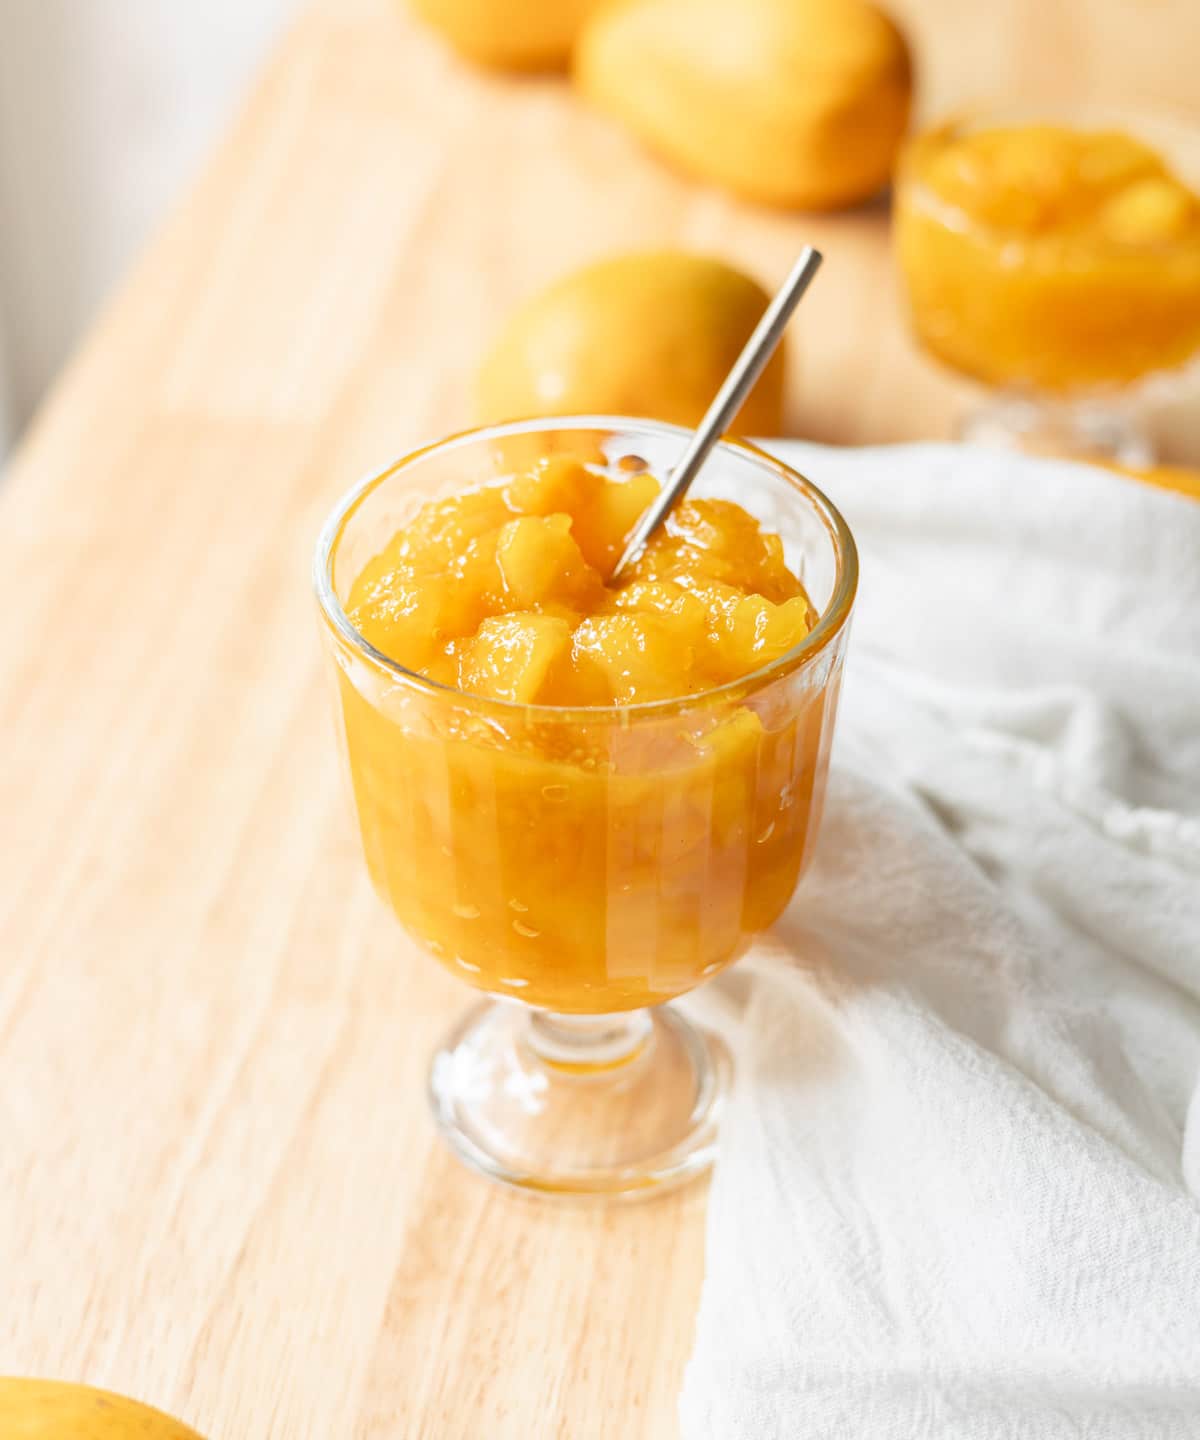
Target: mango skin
(509,34)
(800,104)
(55,1410)
(648,334)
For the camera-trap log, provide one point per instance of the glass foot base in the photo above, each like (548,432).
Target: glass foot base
(622,1106)
(1084,430)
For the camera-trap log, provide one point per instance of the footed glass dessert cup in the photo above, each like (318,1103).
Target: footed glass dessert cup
(583,867)
(1055,258)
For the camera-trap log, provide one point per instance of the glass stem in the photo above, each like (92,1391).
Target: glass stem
(1090,428)
(584,1044)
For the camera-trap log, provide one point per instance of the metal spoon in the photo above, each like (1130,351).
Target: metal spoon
(729,399)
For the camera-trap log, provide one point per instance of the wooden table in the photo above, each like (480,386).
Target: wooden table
(219,1189)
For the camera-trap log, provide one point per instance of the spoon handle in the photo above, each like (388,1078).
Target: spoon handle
(728,401)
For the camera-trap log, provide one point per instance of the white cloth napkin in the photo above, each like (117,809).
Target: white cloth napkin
(957,1191)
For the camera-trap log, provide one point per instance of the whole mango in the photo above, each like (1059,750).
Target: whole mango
(54,1410)
(649,334)
(795,103)
(510,34)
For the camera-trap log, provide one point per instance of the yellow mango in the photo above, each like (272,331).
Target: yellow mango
(54,1410)
(795,103)
(650,334)
(509,34)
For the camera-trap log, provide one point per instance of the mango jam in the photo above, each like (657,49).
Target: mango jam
(1050,258)
(501,593)
(593,814)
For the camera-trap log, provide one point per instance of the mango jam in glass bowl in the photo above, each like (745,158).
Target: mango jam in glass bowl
(1057,262)
(581,796)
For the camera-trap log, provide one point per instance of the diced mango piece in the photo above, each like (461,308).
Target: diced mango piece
(734,740)
(442,529)
(403,619)
(666,597)
(511,656)
(762,632)
(639,656)
(1110,160)
(605,520)
(720,601)
(540,564)
(716,540)
(556,485)
(1150,212)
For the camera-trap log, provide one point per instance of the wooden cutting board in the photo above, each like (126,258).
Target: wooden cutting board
(219,1189)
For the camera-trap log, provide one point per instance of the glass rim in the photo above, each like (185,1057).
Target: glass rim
(830,622)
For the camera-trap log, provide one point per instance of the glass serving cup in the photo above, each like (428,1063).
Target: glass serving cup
(1071,318)
(586,866)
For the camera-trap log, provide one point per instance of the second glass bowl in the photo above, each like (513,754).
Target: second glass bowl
(1055,257)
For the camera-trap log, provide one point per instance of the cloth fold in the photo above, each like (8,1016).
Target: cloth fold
(957,1189)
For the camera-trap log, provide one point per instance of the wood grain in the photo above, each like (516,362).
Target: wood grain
(219,1190)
